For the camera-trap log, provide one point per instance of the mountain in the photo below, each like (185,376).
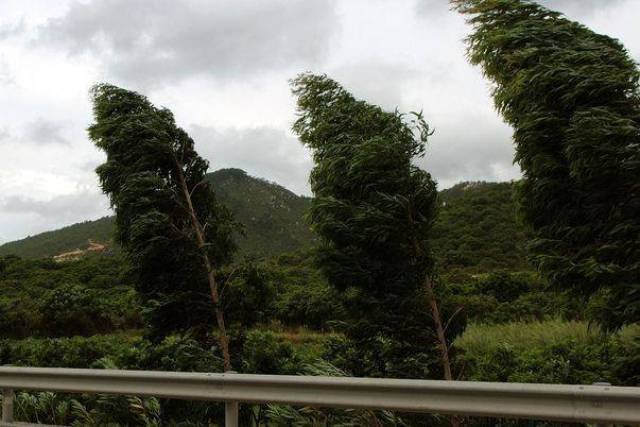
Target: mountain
(273,219)
(476,229)
(66,239)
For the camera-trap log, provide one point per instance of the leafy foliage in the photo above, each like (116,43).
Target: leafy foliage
(373,210)
(549,352)
(156,183)
(572,98)
(502,297)
(476,229)
(43,298)
(308,416)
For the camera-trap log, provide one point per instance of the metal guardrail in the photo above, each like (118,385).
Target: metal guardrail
(577,403)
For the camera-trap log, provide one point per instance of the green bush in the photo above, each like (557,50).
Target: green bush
(509,297)
(42,298)
(548,352)
(265,353)
(75,352)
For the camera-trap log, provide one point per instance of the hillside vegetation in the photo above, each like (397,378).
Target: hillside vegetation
(273,219)
(66,239)
(476,229)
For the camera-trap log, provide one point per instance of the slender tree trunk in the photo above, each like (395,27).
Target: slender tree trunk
(437,320)
(442,340)
(444,347)
(433,303)
(223,338)
(437,317)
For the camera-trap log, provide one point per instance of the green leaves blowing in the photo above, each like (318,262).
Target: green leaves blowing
(146,153)
(572,98)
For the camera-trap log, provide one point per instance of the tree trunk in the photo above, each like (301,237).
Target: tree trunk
(435,314)
(444,348)
(213,285)
(437,320)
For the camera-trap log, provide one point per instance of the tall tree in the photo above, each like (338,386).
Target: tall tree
(167,217)
(572,98)
(373,209)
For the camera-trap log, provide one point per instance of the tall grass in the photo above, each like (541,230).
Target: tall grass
(526,335)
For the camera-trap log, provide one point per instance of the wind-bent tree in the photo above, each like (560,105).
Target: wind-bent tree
(167,217)
(373,209)
(572,98)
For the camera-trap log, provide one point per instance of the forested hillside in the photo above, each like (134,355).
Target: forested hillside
(476,228)
(273,219)
(66,239)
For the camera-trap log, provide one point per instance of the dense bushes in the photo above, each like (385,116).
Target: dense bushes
(95,295)
(261,351)
(476,229)
(75,352)
(549,352)
(49,299)
(507,297)
(303,296)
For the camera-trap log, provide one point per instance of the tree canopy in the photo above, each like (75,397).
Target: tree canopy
(373,209)
(572,98)
(168,221)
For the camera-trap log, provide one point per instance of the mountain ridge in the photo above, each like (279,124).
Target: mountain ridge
(273,219)
(476,229)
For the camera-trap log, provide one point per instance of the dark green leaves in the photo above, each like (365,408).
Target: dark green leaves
(572,98)
(373,210)
(147,154)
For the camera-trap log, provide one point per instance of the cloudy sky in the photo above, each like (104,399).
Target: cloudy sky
(222,66)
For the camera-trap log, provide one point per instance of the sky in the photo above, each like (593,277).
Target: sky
(223,66)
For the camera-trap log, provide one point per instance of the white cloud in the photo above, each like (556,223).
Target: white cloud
(43,131)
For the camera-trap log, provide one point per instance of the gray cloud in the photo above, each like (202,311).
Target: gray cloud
(432,7)
(167,40)
(575,8)
(12,29)
(470,153)
(63,207)
(21,216)
(382,83)
(42,131)
(263,152)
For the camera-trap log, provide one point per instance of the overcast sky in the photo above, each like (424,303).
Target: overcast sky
(223,67)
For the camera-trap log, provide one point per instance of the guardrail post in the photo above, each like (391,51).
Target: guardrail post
(7,405)
(603,384)
(231,414)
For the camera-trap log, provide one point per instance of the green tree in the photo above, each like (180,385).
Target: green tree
(373,209)
(572,98)
(167,219)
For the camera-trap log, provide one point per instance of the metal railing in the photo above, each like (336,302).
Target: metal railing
(577,403)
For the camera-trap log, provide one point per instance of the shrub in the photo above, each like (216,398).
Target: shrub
(548,352)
